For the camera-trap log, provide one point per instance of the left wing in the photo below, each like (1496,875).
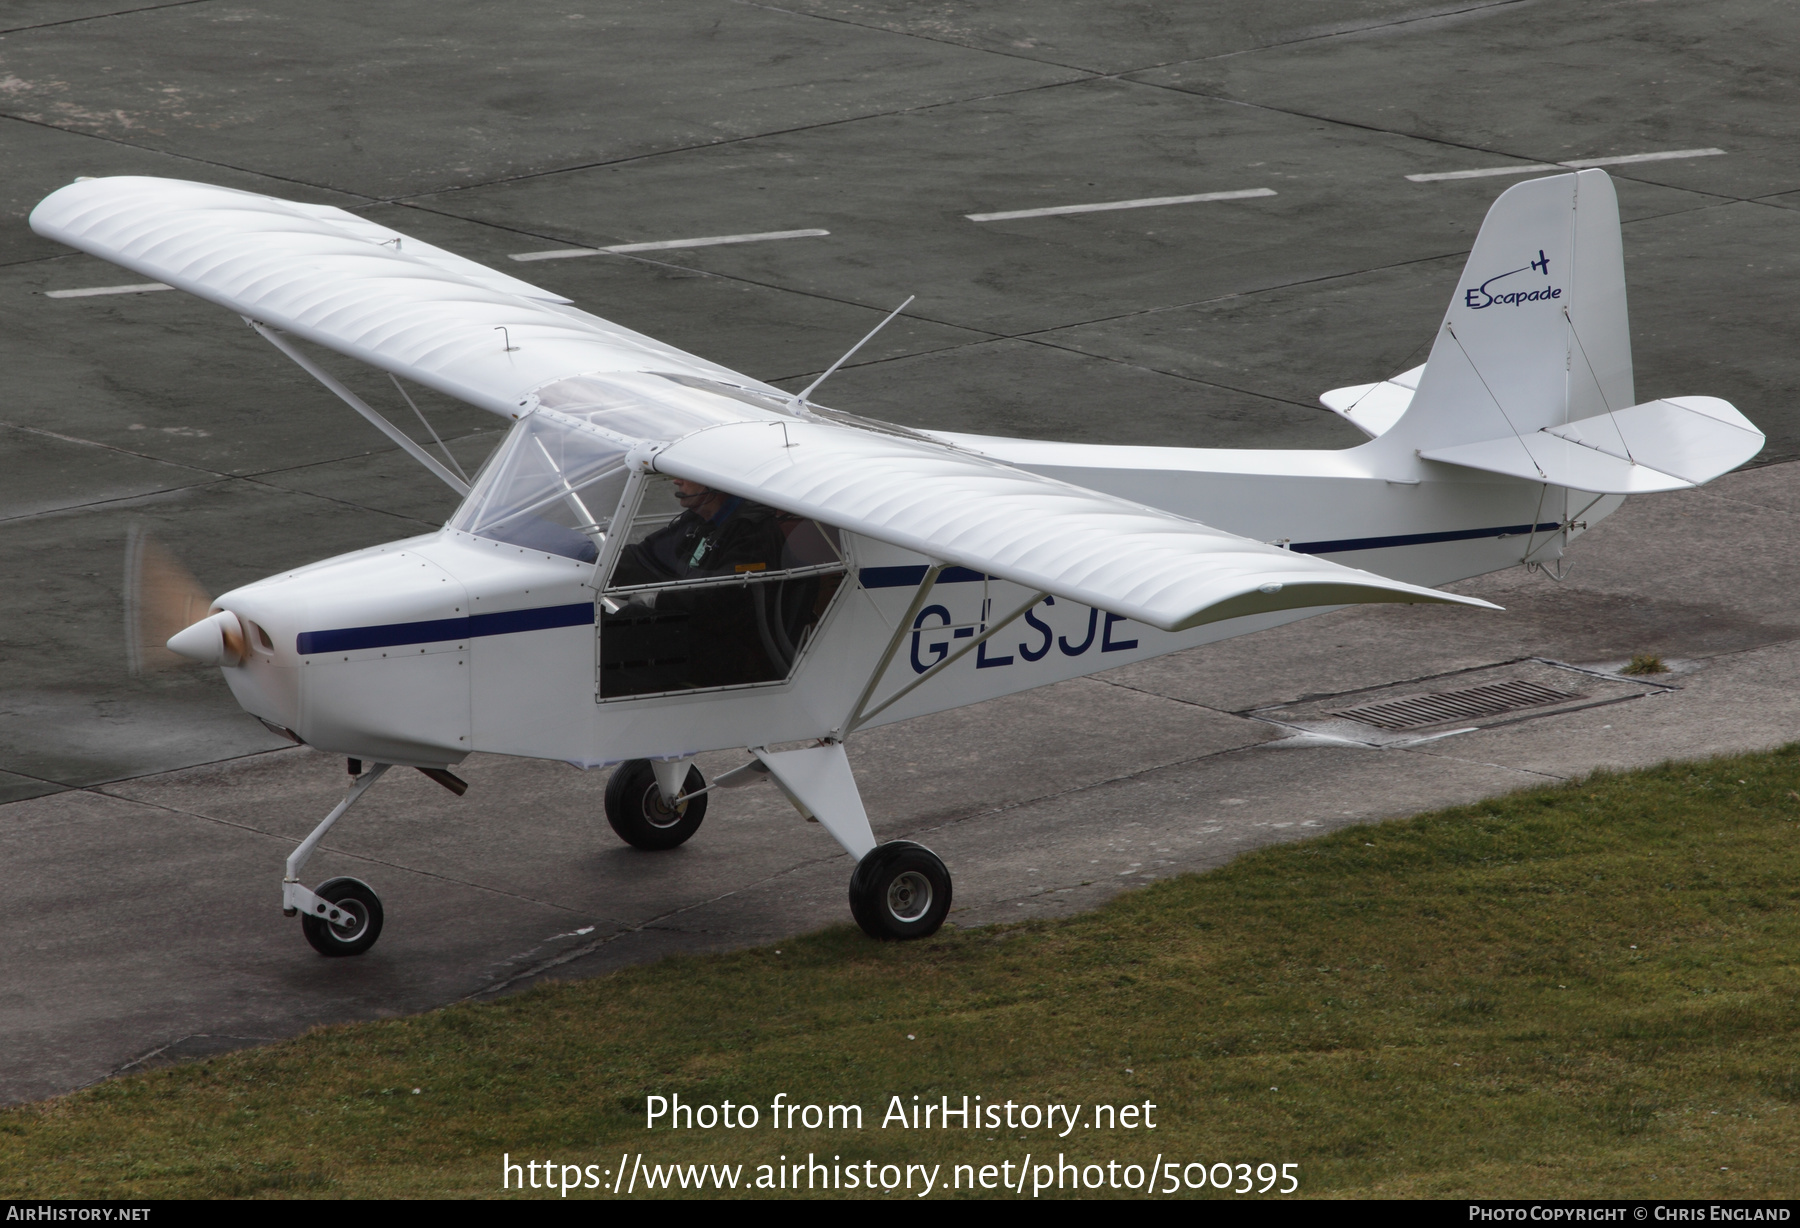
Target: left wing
(352,286)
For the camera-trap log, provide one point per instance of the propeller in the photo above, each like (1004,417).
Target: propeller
(167,621)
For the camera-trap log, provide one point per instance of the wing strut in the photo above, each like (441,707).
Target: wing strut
(355,402)
(901,630)
(861,714)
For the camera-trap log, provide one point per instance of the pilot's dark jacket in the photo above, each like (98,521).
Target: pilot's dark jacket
(739,537)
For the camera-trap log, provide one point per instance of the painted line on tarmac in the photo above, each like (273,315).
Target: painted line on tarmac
(619,249)
(90,291)
(1667,155)
(1145,202)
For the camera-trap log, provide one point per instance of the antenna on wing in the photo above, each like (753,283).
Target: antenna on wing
(799,398)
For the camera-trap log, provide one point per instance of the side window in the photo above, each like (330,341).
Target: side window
(711,590)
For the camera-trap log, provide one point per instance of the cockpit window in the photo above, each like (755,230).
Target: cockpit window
(547,487)
(724,592)
(705,589)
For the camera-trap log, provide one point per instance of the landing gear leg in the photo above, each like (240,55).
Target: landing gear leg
(899,889)
(344,916)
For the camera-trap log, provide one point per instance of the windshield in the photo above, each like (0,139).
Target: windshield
(547,487)
(554,486)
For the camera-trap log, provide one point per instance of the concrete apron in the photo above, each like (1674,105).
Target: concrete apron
(1042,804)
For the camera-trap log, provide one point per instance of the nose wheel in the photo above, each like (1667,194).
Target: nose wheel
(357,912)
(900,890)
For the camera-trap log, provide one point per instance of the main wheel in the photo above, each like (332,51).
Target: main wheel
(900,890)
(361,924)
(637,811)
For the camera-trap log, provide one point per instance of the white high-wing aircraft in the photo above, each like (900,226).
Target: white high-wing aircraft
(664,557)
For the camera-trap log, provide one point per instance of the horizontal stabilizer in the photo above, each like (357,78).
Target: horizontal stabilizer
(1668,444)
(1152,566)
(1373,408)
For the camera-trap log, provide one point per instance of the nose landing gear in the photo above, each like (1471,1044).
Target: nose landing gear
(350,922)
(343,917)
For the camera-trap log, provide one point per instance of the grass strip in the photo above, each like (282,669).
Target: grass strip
(1583,990)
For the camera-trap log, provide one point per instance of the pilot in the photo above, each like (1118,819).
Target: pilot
(716,534)
(705,637)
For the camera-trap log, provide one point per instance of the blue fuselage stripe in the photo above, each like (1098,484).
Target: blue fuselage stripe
(1418,539)
(437,630)
(394,635)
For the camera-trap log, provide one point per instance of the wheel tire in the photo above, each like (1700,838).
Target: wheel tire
(359,900)
(900,890)
(636,810)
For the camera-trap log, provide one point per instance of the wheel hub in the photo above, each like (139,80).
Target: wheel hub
(657,812)
(909,896)
(355,918)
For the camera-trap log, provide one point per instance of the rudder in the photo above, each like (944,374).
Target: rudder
(1537,333)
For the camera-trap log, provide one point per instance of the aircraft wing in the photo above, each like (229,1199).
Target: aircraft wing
(1047,535)
(346,283)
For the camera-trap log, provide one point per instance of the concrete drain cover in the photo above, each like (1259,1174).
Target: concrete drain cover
(1464,705)
(1486,697)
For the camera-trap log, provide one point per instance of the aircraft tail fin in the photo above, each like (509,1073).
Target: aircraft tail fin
(1536,335)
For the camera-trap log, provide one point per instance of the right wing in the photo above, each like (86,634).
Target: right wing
(1051,536)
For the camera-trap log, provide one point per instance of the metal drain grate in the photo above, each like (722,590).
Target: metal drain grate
(1477,701)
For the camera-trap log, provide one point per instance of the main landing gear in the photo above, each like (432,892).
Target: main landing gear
(899,890)
(643,815)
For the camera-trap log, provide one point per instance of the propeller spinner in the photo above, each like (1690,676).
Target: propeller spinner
(169,619)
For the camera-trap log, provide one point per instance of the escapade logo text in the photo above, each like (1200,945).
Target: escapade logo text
(1481,297)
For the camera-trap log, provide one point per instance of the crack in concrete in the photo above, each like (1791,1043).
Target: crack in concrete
(217,477)
(657,921)
(179,1040)
(1447,143)
(1102,74)
(182,157)
(72,21)
(1346,32)
(726,142)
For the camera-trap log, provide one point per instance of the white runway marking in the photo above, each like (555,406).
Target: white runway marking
(1573,164)
(1146,202)
(570,253)
(146,288)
